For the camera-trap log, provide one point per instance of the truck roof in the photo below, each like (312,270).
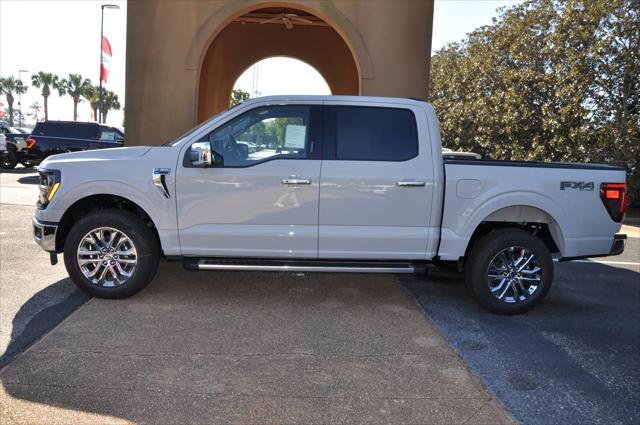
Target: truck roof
(372,99)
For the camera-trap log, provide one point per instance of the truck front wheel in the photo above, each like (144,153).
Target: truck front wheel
(509,271)
(111,254)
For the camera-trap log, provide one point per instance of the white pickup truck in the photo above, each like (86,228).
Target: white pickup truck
(324,183)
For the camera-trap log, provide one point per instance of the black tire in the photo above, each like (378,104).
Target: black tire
(142,237)
(9,159)
(491,246)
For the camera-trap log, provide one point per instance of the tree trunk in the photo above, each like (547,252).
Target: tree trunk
(104,116)
(46,108)
(75,110)
(10,106)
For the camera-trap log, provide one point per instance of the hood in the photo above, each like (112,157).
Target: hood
(96,155)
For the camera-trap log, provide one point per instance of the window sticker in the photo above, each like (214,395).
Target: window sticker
(108,135)
(295,136)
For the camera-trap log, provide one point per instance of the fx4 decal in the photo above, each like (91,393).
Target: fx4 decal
(588,186)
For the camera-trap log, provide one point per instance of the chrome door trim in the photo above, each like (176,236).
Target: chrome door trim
(295,180)
(410,183)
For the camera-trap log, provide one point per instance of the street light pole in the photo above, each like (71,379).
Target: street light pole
(20,97)
(102,7)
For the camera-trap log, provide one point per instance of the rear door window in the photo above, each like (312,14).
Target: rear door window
(365,133)
(66,130)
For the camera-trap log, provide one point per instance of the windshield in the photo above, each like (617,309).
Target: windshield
(196,128)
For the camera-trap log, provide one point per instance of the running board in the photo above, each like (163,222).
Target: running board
(298,265)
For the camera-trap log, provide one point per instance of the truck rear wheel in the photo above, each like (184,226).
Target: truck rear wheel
(111,254)
(509,271)
(9,159)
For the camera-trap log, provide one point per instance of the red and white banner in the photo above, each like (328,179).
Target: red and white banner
(106,59)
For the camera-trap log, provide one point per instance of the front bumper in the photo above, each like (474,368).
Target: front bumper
(45,234)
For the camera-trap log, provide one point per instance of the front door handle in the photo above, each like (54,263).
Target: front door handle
(410,183)
(295,180)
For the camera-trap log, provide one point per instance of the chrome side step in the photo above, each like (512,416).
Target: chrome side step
(299,266)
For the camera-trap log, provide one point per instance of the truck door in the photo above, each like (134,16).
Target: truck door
(260,199)
(376,185)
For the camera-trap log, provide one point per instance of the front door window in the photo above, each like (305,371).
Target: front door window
(263,134)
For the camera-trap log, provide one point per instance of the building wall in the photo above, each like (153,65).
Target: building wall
(168,41)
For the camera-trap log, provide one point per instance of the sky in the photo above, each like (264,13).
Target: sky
(64,37)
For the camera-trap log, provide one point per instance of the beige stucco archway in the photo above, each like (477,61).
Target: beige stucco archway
(385,44)
(240,44)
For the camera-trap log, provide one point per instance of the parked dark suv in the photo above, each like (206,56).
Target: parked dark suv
(53,137)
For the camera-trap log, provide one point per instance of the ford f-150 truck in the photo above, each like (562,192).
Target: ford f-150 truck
(324,183)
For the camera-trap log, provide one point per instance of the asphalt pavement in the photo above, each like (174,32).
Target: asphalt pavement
(575,359)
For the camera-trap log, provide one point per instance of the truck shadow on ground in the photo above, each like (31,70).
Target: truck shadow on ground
(29,180)
(39,315)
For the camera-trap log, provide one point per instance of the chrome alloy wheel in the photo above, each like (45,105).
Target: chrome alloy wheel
(107,257)
(514,274)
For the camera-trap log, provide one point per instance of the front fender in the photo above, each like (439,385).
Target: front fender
(160,209)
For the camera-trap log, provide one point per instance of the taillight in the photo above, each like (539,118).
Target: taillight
(30,142)
(614,198)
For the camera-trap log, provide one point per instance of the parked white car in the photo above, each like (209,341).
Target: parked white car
(354,184)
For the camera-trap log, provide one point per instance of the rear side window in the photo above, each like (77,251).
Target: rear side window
(66,130)
(375,134)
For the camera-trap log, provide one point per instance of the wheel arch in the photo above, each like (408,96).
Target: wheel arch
(100,201)
(526,217)
(513,207)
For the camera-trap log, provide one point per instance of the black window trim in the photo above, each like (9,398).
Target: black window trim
(316,112)
(330,129)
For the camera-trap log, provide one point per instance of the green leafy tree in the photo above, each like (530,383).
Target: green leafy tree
(110,102)
(238,96)
(75,86)
(91,94)
(46,81)
(9,86)
(549,80)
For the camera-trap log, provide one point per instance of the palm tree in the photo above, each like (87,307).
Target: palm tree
(91,94)
(10,86)
(109,102)
(75,86)
(46,80)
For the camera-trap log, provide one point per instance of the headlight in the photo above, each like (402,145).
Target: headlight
(49,185)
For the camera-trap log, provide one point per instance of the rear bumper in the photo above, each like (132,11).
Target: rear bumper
(617,248)
(45,234)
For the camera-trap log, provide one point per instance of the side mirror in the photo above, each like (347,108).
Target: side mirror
(200,154)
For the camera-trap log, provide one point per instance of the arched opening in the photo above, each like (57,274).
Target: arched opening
(281,75)
(269,32)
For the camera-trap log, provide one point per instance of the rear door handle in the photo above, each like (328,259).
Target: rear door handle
(409,183)
(295,180)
